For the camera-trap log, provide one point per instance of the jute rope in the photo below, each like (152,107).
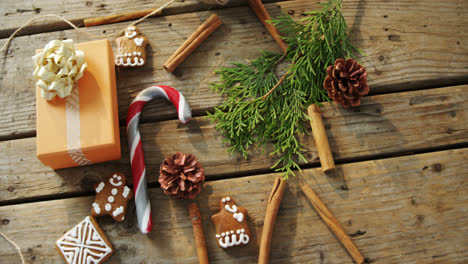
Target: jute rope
(33,20)
(16,246)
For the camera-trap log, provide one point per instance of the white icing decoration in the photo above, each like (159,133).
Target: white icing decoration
(96,208)
(232,231)
(228,199)
(118,211)
(120,62)
(115,184)
(238,231)
(242,230)
(232,209)
(241,236)
(218,236)
(223,234)
(100,187)
(126,191)
(245,239)
(224,244)
(223,200)
(114,191)
(83,244)
(96,236)
(108,207)
(239,217)
(110,199)
(120,178)
(139,41)
(142,61)
(139,53)
(233,240)
(130,32)
(73,232)
(135,53)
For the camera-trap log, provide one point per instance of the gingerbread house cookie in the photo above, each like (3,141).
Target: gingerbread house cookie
(230,224)
(112,197)
(85,243)
(131,48)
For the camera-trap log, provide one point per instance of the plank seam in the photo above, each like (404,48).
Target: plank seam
(250,173)
(53,26)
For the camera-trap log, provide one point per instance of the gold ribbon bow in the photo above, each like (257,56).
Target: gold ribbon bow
(57,68)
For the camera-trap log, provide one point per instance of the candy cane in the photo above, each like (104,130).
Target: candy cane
(143,208)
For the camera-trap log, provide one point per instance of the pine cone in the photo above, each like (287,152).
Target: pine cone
(181,176)
(346,82)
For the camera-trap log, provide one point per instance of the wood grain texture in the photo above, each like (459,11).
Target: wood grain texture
(15,13)
(406,50)
(401,210)
(333,224)
(382,125)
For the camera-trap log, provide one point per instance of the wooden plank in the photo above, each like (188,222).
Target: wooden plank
(383,125)
(406,50)
(15,13)
(408,209)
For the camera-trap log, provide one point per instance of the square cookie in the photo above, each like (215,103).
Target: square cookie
(85,243)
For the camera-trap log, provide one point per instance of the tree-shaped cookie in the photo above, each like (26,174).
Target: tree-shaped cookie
(231,227)
(131,48)
(112,197)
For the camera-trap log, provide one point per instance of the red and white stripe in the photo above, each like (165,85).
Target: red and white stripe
(142,202)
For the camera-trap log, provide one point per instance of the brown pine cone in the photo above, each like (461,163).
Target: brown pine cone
(346,82)
(181,176)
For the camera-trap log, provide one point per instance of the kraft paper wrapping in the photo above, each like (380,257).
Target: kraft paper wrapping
(82,128)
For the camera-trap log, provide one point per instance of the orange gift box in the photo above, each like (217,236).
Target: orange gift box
(84,129)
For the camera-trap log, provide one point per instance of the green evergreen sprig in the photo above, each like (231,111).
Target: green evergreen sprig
(251,116)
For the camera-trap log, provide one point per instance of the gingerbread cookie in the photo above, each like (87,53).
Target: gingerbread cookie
(231,227)
(131,48)
(112,197)
(85,243)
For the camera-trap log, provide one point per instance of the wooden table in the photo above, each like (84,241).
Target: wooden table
(401,185)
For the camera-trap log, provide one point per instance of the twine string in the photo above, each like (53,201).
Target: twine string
(15,245)
(150,14)
(33,20)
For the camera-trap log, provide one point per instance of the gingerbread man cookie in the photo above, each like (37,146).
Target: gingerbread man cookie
(112,197)
(231,227)
(131,48)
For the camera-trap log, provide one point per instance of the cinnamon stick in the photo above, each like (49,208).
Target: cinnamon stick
(321,139)
(270,217)
(259,10)
(96,21)
(198,233)
(197,38)
(332,223)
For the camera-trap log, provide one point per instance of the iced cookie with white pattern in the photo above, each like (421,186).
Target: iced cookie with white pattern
(230,224)
(131,48)
(85,243)
(112,197)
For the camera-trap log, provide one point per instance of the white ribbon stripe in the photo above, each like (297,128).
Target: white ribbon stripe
(74,128)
